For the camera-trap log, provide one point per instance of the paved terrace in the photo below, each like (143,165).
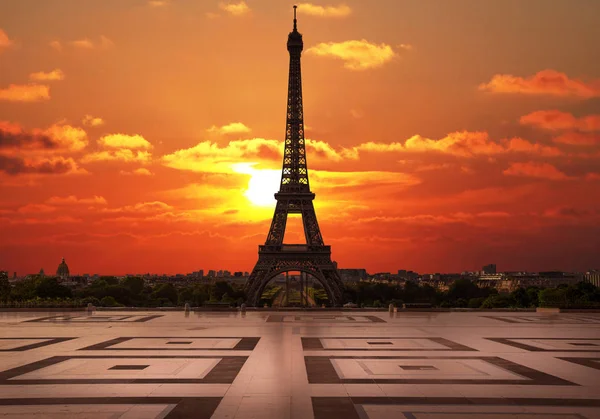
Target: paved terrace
(283,365)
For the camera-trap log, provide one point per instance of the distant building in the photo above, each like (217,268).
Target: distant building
(42,274)
(212,273)
(593,276)
(489,269)
(353,275)
(63,270)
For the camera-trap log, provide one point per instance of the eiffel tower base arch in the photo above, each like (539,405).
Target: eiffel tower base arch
(316,263)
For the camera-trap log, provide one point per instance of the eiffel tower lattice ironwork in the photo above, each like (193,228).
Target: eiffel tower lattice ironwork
(294,197)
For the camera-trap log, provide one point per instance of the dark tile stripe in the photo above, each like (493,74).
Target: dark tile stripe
(185,407)
(320,370)
(245,344)
(346,407)
(278,318)
(480,401)
(275,318)
(50,341)
(112,319)
(314,344)
(586,362)
(223,373)
(334,408)
(520,345)
(104,345)
(375,319)
(201,407)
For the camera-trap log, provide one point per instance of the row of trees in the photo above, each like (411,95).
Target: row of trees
(465,293)
(133,291)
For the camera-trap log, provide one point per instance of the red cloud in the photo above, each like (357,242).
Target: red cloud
(546,82)
(557,120)
(578,138)
(536,170)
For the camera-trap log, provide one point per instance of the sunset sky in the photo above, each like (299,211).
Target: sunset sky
(146,135)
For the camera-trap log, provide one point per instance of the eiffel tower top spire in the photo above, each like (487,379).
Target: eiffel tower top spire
(295,28)
(294,175)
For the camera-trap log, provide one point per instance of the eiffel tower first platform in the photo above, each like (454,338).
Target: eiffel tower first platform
(294,197)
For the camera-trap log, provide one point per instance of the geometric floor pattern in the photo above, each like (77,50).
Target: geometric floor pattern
(350,365)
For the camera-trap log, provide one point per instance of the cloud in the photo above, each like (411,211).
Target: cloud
(142,207)
(327,179)
(121,147)
(124,155)
(462,144)
(158,3)
(46,166)
(577,138)
(56,45)
(86,43)
(124,141)
(91,121)
(357,55)
(73,200)
(137,172)
(56,74)
(325,151)
(592,176)
(67,137)
(25,93)
(555,120)
(235,9)
(546,82)
(56,220)
(36,209)
(56,138)
(535,170)
(232,128)
(209,157)
(324,11)
(5,41)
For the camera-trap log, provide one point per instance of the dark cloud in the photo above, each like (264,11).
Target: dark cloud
(20,139)
(16,166)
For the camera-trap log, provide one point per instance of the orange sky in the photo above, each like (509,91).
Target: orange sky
(144,136)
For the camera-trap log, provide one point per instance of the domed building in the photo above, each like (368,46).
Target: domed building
(63,270)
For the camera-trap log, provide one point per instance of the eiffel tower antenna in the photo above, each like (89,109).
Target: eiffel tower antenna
(294,197)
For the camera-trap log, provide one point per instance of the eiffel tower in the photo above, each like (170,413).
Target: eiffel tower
(294,197)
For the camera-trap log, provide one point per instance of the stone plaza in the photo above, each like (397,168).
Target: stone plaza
(299,364)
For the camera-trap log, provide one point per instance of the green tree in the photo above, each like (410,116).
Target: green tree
(4,287)
(25,289)
(498,301)
(553,297)
(109,301)
(122,294)
(50,288)
(521,297)
(110,280)
(167,291)
(463,288)
(134,283)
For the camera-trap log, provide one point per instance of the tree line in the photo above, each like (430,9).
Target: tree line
(109,291)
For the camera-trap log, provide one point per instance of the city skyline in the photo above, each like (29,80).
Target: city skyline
(129,143)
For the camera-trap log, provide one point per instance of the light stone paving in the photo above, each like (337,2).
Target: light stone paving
(324,365)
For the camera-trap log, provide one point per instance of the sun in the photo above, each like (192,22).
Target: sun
(262,186)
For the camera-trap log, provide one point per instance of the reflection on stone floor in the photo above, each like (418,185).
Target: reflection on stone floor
(300,365)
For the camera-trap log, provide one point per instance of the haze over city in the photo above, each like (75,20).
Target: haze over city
(146,136)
